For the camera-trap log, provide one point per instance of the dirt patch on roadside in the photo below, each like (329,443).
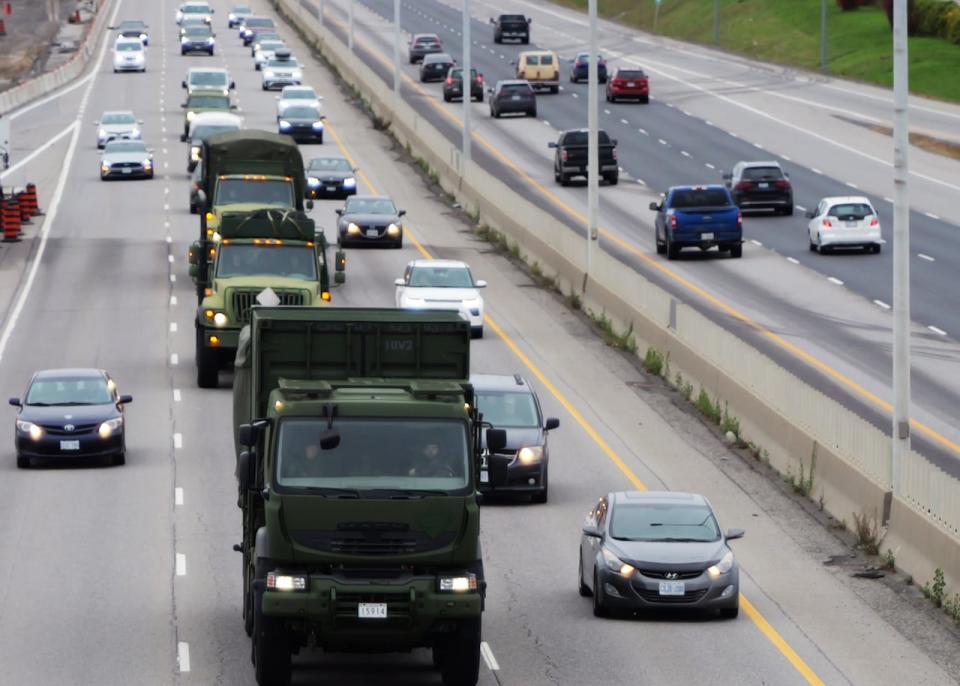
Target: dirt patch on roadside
(24,50)
(937,146)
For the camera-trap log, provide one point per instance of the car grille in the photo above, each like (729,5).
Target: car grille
(398,608)
(662,574)
(126,165)
(241,300)
(655,597)
(78,429)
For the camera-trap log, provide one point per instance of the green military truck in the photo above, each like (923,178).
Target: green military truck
(358,450)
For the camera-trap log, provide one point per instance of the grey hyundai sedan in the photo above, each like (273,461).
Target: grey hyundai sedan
(655,550)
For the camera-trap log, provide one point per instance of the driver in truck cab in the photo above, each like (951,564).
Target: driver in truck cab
(433,461)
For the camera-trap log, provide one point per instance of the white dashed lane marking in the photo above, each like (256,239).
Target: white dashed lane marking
(793,260)
(178,496)
(833,279)
(939,332)
(880,303)
(181,564)
(183,656)
(925,257)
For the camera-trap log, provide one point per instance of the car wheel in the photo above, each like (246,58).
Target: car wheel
(813,246)
(525,41)
(320,139)
(612,179)
(533,113)
(877,248)
(564,179)
(183,52)
(600,608)
(556,175)
(23,462)
(673,251)
(609,99)
(584,589)
(494,113)
(821,248)
(264,86)
(736,251)
(730,612)
(788,210)
(476,332)
(661,246)
(554,89)
(645,99)
(540,496)
(446,97)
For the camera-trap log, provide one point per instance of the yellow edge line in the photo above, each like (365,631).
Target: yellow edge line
(755,616)
(841,378)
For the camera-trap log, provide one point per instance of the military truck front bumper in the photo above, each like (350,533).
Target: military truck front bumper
(417,614)
(220,338)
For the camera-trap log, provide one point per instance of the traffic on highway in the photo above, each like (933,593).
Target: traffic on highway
(355,465)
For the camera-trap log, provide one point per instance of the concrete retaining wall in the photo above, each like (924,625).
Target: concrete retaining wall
(789,419)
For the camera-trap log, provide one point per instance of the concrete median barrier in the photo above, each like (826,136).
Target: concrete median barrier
(799,428)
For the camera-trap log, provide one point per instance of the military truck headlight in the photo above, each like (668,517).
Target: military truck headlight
(35,432)
(220,319)
(393,230)
(457,584)
(277,581)
(110,426)
(353,229)
(530,454)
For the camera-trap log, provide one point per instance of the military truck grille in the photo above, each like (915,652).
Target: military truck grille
(242,300)
(372,543)
(398,608)
(363,546)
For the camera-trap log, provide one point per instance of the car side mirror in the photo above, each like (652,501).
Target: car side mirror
(490,91)
(551,424)
(125,399)
(16,402)
(276,97)
(202,198)
(323,116)
(183,138)
(309,204)
(480,283)
(233,85)
(398,282)
(655,206)
(552,144)
(233,106)
(529,21)
(726,175)
(401,213)
(183,84)
(339,212)
(492,20)
(513,62)
(809,215)
(183,104)
(592,531)
(496,440)
(613,141)
(735,533)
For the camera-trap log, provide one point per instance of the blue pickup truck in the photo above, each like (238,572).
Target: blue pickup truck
(698,217)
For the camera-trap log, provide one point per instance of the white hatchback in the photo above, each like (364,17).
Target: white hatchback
(303,96)
(129,55)
(844,222)
(442,285)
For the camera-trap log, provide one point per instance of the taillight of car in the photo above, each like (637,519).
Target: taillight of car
(449,80)
(673,221)
(743,185)
(827,223)
(615,158)
(480,78)
(782,183)
(739,220)
(563,155)
(874,222)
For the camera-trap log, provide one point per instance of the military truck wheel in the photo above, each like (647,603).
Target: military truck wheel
(207,371)
(259,572)
(460,657)
(271,649)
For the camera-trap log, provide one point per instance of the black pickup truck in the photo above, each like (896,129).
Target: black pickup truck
(571,157)
(511,27)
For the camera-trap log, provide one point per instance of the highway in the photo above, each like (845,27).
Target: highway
(835,308)
(126,575)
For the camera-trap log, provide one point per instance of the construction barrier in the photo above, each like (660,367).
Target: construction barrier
(23,207)
(30,196)
(10,217)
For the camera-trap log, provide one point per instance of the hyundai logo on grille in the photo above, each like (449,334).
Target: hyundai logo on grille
(671,575)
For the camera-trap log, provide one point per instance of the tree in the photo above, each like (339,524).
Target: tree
(911,15)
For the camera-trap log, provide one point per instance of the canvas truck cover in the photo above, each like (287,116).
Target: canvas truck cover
(290,225)
(253,152)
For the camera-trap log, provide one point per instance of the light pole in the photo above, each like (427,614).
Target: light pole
(350,27)
(593,154)
(716,22)
(467,83)
(396,48)
(823,35)
(901,250)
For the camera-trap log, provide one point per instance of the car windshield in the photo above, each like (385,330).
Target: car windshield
(512,18)
(86,390)
(441,277)
(118,118)
(208,78)
(131,26)
(515,89)
(508,409)
(196,9)
(630,74)
(585,57)
(271,45)
(762,173)
(130,47)
(124,146)
(200,133)
(298,94)
(198,32)
(457,73)
(370,206)
(667,522)
(241,9)
(580,138)
(406,455)
(254,191)
(704,197)
(301,112)
(289,261)
(425,41)
(221,102)
(254,23)
(288,63)
(326,164)
(851,211)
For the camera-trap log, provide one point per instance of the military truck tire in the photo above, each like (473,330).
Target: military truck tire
(460,657)
(271,649)
(259,572)
(207,371)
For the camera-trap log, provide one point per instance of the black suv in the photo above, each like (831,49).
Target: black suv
(511,26)
(512,96)
(434,67)
(453,85)
(760,185)
(510,403)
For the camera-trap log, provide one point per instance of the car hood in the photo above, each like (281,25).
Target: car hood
(118,128)
(282,70)
(452,295)
(517,437)
(284,104)
(301,120)
(115,157)
(128,54)
(371,219)
(654,555)
(331,176)
(64,414)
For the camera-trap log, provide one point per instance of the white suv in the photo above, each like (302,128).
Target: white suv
(844,222)
(129,55)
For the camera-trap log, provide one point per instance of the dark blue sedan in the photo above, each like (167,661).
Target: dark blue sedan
(580,68)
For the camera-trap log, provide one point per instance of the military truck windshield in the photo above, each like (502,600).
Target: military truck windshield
(374,454)
(201,133)
(256,191)
(508,410)
(88,390)
(289,261)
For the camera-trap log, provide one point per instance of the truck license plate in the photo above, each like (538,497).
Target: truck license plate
(671,588)
(374,610)
(69,445)
(706,236)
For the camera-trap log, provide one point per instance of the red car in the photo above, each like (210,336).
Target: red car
(628,83)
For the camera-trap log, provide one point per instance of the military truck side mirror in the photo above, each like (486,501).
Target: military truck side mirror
(552,423)
(125,399)
(202,198)
(329,440)
(194,271)
(496,440)
(16,402)
(340,261)
(245,466)
(309,204)
(655,206)
(246,436)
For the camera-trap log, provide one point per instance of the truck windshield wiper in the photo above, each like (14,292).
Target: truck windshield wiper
(400,493)
(335,492)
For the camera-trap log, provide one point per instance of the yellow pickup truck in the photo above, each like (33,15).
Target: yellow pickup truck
(541,68)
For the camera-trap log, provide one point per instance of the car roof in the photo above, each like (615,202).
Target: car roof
(840,199)
(294,89)
(370,197)
(204,92)
(106,112)
(327,157)
(83,372)
(425,35)
(205,70)
(442,264)
(760,163)
(513,82)
(128,22)
(654,497)
(500,382)
(123,40)
(438,57)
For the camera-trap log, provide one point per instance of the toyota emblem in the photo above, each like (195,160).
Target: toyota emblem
(672,575)
(69,427)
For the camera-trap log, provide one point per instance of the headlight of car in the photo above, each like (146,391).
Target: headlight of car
(349,182)
(318,125)
(463,583)
(143,36)
(110,426)
(269,74)
(35,432)
(278,581)
(184,40)
(190,115)
(135,133)
(353,229)
(105,168)
(148,164)
(723,566)
(194,153)
(393,230)
(313,181)
(210,40)
(617,565)
(530,454)
(101,133)
(284,124)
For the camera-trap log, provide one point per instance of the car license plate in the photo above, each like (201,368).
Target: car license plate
(514,97)
(484,476)
(125,171)
(672,588)
(631,84)
(372,610)
(69,445)
(852,225)
(331,189)
(707,236)
(763,185)
(372,233)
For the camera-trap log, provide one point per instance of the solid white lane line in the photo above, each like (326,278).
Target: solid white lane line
(932,215)
(786,158)
(756,242)
(174,359)
(183,656)
(758,146)
(833,279)
(181,564)
(880,303)
(178,496)
(173,278)
(641,182)
(178,441)
(793,260)
(39,150)
(925,257)
(487,653)
(815,170)
(733,134)
(176,395)
(852,185)
(939,332)
(173,327)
